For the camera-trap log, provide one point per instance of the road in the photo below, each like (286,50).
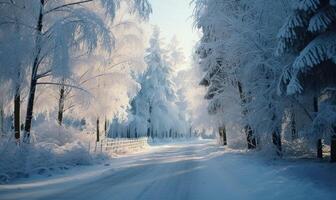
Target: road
(198,170)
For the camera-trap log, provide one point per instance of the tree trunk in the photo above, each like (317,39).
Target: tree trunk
(222,134)
(61,102)
(33,83)
(319,145)
(293,125)
(105,127)
(1,120)
(17,102)
(128,132)
(98,139)
(333,149)
(276,139)
(148,132)
(190,132)
(251,140)
(30,107)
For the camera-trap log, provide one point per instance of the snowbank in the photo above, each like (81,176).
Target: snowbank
(53,149)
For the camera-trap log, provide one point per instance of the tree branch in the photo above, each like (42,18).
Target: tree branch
(66,5)
(44,74)
(60,84)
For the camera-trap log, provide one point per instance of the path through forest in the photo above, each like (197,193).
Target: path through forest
(194,170)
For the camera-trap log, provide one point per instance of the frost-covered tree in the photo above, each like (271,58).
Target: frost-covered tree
(241,73)
(16,44)
(154,108)
(309,35)
(60,30)
(176,55)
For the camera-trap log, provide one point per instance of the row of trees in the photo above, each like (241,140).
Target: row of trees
(62,54)
(268,74)
(157,110)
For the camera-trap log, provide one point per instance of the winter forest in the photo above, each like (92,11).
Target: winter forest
(147,99)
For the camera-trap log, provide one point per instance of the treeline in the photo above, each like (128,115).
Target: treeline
(159,109)
(270,68)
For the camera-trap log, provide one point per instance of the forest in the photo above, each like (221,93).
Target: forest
(79,75)
(269,71)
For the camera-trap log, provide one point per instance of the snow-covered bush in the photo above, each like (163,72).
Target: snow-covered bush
(53,148)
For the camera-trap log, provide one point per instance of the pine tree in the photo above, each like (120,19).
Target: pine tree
(154,108)
(310,35)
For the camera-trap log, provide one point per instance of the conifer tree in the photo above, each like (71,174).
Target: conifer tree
(309,34)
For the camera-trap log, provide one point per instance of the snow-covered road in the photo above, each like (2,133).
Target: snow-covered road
(196,170)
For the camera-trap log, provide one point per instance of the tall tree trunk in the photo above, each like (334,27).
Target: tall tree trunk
(33,83)
(333,149)
(98,139)
(105,127)
(293,125)
(61,102)
(222,134)
(276,136)
(190,132)
(276,139)
(128,132)
(150,128)
(1,119)
(148,132)
(251,140)
(17,102)
(319,145)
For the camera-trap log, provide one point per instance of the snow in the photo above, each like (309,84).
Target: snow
(188,170)
(307,5)
(54,149)
(320,49)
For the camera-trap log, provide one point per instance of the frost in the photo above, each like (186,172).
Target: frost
(155,107)
(55,148)
(322,20)
(307,5)
(320,49)
(290,32)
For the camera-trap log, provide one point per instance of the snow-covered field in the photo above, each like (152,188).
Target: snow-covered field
(195,170)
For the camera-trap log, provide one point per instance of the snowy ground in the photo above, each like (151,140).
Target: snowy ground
(196,170)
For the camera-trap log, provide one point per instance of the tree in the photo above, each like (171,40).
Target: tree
(61,28)
(154,108)
(14,54)
(236,55)
(309,35)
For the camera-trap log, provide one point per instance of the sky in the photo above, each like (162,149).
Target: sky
(174,17)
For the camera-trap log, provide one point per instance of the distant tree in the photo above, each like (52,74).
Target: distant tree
(154,108)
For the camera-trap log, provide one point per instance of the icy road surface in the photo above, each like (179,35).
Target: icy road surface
(195,171)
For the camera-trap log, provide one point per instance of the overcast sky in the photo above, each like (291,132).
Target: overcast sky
(174,17)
